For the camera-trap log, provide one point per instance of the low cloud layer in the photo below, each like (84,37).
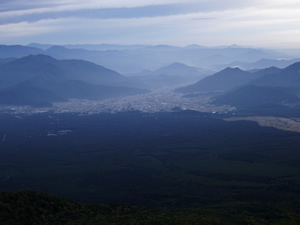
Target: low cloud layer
(255,23)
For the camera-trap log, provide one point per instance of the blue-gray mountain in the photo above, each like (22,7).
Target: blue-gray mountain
(252,96)
(132,59)
(42,80)
(6,60)
(170,75)
(288,77)
(232,78)
(268,88)
(225,80)
(261,64)
(17,51)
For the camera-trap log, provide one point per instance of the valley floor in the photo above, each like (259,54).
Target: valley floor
(288,124)
(164,100)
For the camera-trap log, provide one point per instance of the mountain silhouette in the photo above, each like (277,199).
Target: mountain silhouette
(42,80)
(221,81)
(288,77)
(172,74)
(257,96)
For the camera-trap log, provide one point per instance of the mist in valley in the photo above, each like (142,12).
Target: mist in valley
(148,113)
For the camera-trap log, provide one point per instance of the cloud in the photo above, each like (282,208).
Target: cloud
(32,10)
(201,22)
(23,29)
(103,13)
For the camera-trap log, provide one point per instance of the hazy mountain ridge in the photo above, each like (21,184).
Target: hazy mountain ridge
(27,68)
(262,63)
(267,89)
(76,78)
(287,77)
(36,65)
(132,58)
(170,75)
(99,47)
(6,60)
(41,80)
(177,68)
(279,89)
(221,81)
(231,78)
(17,51)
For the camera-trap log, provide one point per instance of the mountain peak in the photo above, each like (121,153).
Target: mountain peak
(38,59)
(220,81)
(178,68)
(56,48)
(194,46)
(232,70)
(177,65)
(295,67)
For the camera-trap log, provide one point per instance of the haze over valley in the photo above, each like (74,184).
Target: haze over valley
(150,112)
(29,78)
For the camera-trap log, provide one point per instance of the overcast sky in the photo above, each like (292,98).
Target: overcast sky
(260,23)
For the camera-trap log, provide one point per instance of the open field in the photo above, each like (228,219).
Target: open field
(281,123)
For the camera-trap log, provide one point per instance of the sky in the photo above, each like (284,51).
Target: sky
(257,23)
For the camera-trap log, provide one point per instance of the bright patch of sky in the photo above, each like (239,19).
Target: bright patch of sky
(262,23)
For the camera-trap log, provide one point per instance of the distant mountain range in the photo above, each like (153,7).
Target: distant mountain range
(226,79)
(221,81)
(288,77)
(134,58)
(170,75)
(17,51)
(93,47)
(268,87)
(41,80)
(261,64)
(43,74)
